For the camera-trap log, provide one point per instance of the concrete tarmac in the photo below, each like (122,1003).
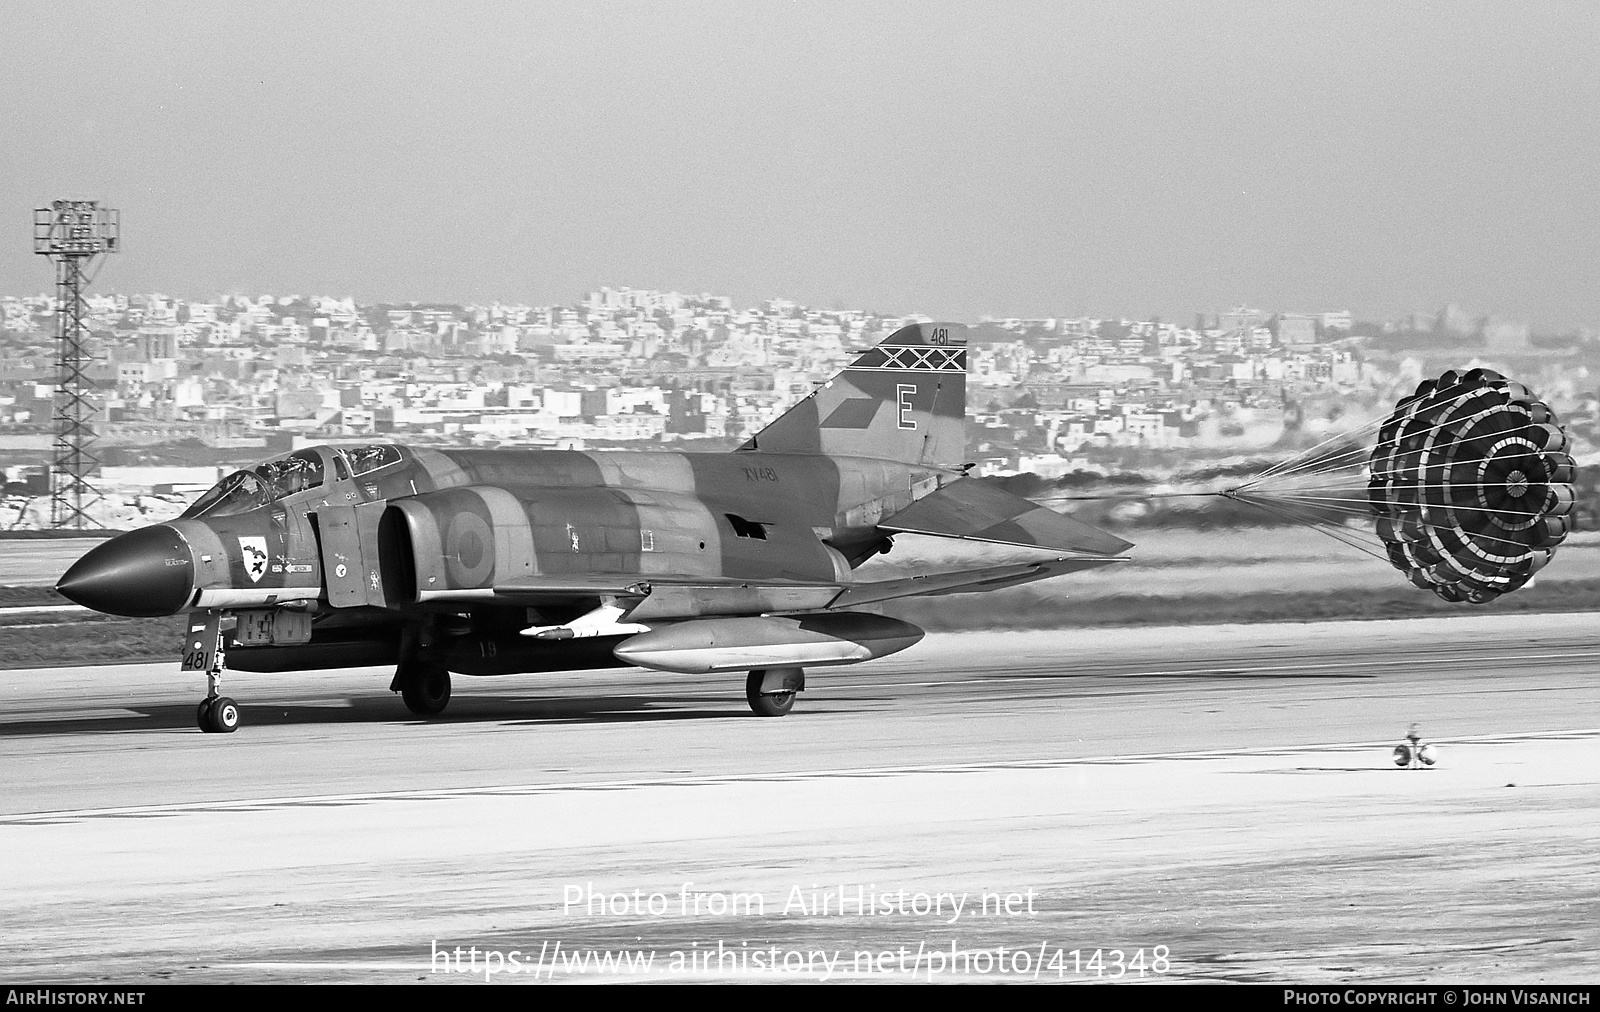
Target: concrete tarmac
(1191,803)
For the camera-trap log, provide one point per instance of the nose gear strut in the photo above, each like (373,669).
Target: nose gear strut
(203,650)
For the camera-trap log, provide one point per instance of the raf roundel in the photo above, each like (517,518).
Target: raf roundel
(469,549)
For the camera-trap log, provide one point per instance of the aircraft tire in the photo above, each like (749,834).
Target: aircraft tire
(224,715)
(773,704)
(218,715)
(424,687)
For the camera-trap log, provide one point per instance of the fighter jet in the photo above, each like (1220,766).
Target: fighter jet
(493,562)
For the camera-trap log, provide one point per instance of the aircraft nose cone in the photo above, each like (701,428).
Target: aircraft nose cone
(139,574)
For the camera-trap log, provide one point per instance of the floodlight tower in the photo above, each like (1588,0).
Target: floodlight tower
(73,233)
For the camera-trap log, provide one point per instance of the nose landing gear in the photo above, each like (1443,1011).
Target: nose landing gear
(203,651)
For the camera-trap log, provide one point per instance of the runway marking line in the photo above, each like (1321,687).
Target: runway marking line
(1234,669)
(863,772)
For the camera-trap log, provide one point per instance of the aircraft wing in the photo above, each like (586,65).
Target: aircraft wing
(650,597)
(972,511)
(656,598)
(568,587)
(966,581)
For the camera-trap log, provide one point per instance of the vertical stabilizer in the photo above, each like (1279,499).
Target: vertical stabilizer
(905,399)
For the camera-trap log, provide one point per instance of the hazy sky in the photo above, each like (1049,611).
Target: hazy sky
(949,158)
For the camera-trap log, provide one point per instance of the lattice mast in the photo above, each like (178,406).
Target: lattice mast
(73,233)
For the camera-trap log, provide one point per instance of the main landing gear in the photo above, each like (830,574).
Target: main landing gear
(203,651)
(424,685)
(771,691)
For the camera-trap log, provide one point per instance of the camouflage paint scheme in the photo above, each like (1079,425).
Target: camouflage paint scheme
(399,550)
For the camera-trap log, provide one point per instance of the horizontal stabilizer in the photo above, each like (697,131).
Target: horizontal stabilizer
(974,511)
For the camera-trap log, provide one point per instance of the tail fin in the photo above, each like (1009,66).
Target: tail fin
(905,399)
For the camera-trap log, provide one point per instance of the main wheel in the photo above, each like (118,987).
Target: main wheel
(425,687)
(771,704)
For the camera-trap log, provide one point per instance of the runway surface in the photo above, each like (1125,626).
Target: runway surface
(27,562)
(1225,793)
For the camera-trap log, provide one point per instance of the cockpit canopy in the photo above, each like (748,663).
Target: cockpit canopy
(370,458)
(243,491)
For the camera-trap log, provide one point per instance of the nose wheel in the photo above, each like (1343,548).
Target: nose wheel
(217,715)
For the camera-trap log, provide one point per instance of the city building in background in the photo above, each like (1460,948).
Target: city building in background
(182,388)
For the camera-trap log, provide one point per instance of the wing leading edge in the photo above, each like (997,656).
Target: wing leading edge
(646,599)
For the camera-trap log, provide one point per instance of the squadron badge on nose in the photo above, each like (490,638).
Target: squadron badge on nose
(254,551)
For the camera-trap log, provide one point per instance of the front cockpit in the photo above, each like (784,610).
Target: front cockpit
(253,488)
(243,491)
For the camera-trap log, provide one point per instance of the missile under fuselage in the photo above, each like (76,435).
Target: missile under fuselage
(702,646)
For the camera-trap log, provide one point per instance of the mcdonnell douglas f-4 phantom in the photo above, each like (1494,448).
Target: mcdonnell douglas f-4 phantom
(492,562)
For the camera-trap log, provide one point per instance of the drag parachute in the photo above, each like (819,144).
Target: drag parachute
(1471,485)
(1468,488)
